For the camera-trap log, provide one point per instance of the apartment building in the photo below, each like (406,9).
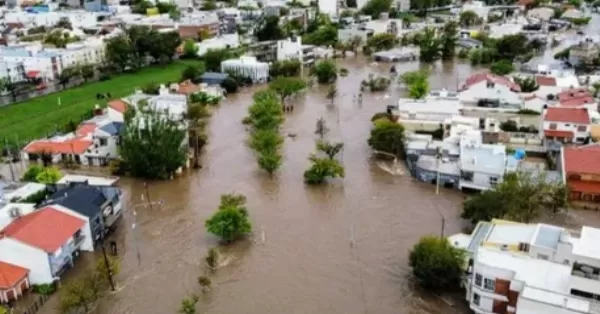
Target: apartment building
(292,48)
(39,63)
(77,18)
(247,66)
(531,268)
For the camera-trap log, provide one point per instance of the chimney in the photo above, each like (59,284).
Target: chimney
(97,110)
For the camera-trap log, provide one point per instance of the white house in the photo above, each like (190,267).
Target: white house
(567,125)
(247,66)
(292,48)
(226,41)
(531,268)
(482,165)
(36,62)
(44,242)
(429,113)
(485,91)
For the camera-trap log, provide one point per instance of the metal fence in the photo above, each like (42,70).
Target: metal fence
(35,306)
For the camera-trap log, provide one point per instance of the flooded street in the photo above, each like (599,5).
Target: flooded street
(299,259)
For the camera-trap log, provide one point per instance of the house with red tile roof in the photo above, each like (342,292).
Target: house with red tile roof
(577,98)
(488,91)
(14,281)
(566,125)
(581,171)
(45,242)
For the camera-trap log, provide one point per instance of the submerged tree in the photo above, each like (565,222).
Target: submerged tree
(330,149)
(332,93)
(321,169)
(153,147)
(436,264)
(188,305)
(287,86)
(231,221)
(321,128)
(387,136)
(325,71)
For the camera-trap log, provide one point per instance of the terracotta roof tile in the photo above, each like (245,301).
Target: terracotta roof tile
(11,275)
(187,88)
(582,159)
(77,145)
(575,97)
(486,76)
(574,115)
(85,128)
(46,228)
(545,80)
(118,105)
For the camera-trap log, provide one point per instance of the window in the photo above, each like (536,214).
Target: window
(552,126)
(581,128)
(566,124)
(478,280)
(542,256)
(493,181)
(476,299)
(102,141)
(466,175)
(489,284)
(566,262)
(524,247)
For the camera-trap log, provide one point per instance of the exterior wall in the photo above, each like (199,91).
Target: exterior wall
(34,259)
(568,126)
(114,115)
(475,92)
(431,177)
(346,34)
(57,158)
(88,242)
(100,154)
(290,48)
(481,181)
(585,284)
(529,306)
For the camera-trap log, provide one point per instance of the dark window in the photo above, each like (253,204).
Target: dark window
(489,284)
(466,175)
(476,299)
(103,141)
(478,280)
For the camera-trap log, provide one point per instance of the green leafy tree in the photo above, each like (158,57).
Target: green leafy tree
(287,86)
(527,84)
(119,53)
(387,136)
(66,75)
(152,146)
(411,77)
(285,68)
(32,172)
(269,161)
(417,83)
(214,57)
(374,8)
(321,169)
(165,7)
(520,197)
(269,29)
(190,50)
(324,35)
(330,149)
(267,140)
(511,46)
(502,67)
(209,5)
(151,88)
(212,258)
(80,294)
(87,71)
(419,90)
(469,18)
(266,112)
(104,272)
(48,175)
(188,305)
(383,41)
(204,282)
(430,45)
(230,222)
(325,71)
(192,72)
(436,264)
(449,40)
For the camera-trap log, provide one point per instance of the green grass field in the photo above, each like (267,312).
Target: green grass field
(39,116)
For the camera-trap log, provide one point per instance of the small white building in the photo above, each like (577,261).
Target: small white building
(226,41)
(292,48)
(428,113)
(485,91)
(482,165)
(247,66)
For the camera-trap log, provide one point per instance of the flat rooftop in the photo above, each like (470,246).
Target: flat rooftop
(588,243)
(509,233)
(91,180)
(536,273)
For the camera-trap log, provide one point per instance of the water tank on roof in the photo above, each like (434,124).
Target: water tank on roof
(520,154)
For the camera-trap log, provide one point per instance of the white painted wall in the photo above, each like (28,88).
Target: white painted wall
(6,219)
(525,306)
(114,115)
(481,91)
(289,48)
(88,242)
(34,259)
(567,126)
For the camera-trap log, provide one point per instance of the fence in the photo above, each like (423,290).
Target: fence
(35,306)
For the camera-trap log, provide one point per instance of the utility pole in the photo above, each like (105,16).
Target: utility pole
(10,165)
(108,268)
(437,190)
(148,201)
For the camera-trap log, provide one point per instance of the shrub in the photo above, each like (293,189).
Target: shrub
(44,289)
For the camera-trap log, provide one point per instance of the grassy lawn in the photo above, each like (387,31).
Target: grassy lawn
(39,116)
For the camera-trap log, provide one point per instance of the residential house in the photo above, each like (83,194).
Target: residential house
(348,33)
(530,268)
(45,242)
(14,280)
(227,41)
(582,172)
(577,98)
(566,125)
(486,91)
(429,113)
(482,166)
(100,205)
(292,48)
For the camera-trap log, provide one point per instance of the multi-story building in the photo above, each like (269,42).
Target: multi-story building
(531,269)
(46,65)
(566,125)
(228,41)
(292,48)
(482,166)
(429,113)
(582,173)
(77,18)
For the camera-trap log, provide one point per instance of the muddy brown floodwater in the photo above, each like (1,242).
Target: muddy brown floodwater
(300,258)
